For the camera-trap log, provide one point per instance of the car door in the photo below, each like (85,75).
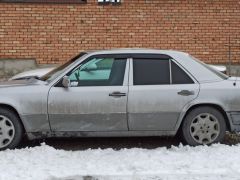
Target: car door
(159,89)
(96,98)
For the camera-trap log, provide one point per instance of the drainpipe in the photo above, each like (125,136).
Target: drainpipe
(229,57)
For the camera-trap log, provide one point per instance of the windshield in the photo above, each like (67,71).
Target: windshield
(213,70)
(57,71)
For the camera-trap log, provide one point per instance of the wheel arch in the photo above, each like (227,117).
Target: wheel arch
(13,109)
(216,106)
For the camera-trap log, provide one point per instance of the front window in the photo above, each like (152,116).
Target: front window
(99,72)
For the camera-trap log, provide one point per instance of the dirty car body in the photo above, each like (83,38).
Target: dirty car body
(118,93)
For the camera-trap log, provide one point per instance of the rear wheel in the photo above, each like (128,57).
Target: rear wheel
(11,130)
(203,125)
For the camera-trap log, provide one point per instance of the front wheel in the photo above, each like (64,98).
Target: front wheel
(203,125)
(11,130)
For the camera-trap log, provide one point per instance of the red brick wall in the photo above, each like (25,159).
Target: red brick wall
(53,33)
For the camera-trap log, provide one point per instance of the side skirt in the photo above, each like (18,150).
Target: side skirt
(48,134)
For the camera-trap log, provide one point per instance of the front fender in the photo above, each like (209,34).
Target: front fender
(30,102)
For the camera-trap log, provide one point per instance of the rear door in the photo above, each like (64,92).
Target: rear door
(159,89)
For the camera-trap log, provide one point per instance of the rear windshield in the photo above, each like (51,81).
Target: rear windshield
(218,73)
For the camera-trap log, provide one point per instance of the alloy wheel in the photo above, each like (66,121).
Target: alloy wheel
(205,128)
(7,131)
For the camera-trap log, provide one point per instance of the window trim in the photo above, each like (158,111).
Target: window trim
(46,1)
(170,71)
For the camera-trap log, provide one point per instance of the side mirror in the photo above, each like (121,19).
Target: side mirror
(65,82)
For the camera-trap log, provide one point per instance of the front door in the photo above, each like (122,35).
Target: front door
(158,92)
(96,99)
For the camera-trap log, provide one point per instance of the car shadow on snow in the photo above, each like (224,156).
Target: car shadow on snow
(104,143)
(117,142)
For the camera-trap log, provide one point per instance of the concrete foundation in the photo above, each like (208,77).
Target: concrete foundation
(234,70)
(10,67)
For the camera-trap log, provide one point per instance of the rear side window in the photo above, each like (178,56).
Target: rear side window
(179,76)
(151,71)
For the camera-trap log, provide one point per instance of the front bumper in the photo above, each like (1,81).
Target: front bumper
(234,121)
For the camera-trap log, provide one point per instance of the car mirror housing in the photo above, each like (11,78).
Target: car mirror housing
(65,82)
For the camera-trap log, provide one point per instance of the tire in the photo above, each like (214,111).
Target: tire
(11,130)
(203,125)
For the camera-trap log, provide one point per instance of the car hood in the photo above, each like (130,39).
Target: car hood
(36,72)
(26,82)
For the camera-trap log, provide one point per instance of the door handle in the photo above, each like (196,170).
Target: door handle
(117,94)
(186,93)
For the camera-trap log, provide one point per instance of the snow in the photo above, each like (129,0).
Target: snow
(176,163)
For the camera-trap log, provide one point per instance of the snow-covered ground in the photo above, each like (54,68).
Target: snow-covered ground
(176,163)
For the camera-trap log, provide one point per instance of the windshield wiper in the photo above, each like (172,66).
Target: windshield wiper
(35,77)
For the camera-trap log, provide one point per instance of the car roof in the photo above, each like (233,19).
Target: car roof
(136,51)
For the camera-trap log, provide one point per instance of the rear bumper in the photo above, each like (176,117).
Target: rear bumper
(234,121)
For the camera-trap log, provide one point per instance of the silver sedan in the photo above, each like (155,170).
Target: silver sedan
(122,92)
(39,72)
